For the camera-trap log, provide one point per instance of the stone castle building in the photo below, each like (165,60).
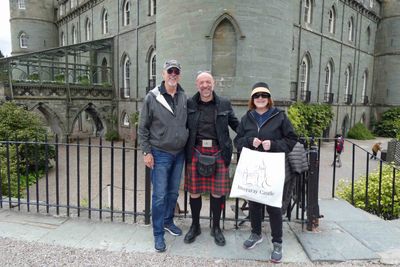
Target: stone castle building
(342,52)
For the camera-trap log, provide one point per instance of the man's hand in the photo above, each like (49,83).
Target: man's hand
(149,160)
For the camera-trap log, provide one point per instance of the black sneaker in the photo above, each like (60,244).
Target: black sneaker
(276,255)
(173,229)
(252,241)
(159,244)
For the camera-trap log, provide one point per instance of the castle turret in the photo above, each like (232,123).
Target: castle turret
(33,25)
(387,60)
(228,39)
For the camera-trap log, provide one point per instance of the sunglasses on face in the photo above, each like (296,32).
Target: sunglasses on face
(173,70)
(263,95)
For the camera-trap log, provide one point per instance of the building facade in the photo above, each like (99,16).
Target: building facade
(345,53)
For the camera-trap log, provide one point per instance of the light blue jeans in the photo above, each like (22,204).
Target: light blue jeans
(166,178)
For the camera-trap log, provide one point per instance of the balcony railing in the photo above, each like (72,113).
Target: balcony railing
(306,96)
(328,98)
(365,100)
(293,91)
(348,99)
(125,92)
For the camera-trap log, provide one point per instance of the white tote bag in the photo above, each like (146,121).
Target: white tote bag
(260,177)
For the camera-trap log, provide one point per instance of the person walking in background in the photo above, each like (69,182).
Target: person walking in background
(375,148)
(339,145)
(209,119)
(265,128)
(163,135)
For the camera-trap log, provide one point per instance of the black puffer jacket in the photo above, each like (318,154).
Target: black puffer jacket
(277,128)
(225,117)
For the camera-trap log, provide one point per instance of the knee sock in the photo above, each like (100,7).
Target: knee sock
(216,208)
(195,206)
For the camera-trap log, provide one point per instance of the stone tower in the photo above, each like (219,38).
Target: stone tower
(387,60)
(32,25)
(230,40)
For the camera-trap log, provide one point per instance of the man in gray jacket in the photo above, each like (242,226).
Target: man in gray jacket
(163,135)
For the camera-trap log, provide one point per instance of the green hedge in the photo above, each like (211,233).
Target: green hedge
(389,125)
(360,132)
(344,191)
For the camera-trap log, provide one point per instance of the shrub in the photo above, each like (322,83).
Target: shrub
(59,78)
(360,132)
(310,120)
(34,77)
(344,191)
(84,80)
(18,124)
(112,135)
(135,118)
(389,124)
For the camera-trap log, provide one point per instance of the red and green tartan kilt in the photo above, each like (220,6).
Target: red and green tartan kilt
(218,184)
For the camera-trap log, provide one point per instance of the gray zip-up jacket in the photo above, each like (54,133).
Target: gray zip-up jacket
(159,126)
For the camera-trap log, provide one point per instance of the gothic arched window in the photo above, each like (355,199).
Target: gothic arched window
(104,22)
(152,68)
(328,78)
(304,73)
(126,77)
(74,35)
(332,20)
(23,40)
(350,29)
(308,11)
(88,30)
(224,49)
(127,12)
(152,7)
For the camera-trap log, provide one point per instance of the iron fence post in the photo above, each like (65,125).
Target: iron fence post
(312,190)
(147,197)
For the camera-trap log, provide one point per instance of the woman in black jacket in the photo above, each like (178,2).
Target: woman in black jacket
(265,128)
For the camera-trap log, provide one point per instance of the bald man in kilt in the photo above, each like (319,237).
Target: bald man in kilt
(209,119)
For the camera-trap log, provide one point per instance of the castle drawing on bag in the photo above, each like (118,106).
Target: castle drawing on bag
(256,176)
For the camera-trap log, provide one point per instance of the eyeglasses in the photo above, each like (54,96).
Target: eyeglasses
(263,95)
(173,70)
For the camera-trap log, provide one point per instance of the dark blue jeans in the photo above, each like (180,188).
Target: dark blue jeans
(166,178)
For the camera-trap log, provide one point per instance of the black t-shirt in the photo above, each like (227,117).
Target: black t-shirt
(206,127)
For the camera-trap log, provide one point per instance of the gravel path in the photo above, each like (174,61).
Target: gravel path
(21,253)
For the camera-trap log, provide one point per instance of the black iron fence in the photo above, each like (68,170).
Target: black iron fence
(372,183)
(95,178)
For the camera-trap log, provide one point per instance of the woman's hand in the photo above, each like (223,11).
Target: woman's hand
(256,142)
(266,145)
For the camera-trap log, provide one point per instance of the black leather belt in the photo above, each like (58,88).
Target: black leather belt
(206,142)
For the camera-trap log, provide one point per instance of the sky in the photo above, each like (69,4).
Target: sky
(5,37)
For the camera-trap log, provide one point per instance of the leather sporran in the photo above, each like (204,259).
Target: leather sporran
(206,165)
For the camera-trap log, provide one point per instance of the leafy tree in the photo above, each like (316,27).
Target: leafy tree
(1,54)
(310,120)
(389,125)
